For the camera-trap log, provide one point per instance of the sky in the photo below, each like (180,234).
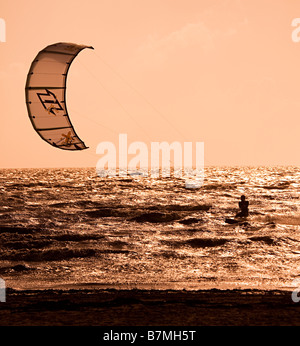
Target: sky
(225,73)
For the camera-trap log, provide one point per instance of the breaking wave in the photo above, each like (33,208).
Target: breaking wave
(280,219)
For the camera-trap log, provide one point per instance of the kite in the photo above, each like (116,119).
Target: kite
(45,93)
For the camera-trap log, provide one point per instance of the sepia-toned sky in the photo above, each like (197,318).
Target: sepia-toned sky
(226,73)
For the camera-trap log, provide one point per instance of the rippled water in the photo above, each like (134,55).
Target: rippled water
(72,228)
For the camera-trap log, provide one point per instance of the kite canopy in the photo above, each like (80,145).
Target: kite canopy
(46,95)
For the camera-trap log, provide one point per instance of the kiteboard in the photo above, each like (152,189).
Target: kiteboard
(235,221)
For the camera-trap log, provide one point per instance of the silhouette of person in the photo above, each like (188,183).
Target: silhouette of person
(243,204)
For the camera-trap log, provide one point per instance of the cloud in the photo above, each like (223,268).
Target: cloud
(157,50)
(13,69)
(192,34)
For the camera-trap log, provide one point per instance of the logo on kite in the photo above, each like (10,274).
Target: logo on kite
(67,139)
(50,98)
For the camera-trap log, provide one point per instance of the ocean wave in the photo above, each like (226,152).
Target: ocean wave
(84,204)
(118,244)
(77,237)
(280,219)
(265,239)
(114,251)
(170,255)
(196,242)
(115,211)
(190,221)
(47,255)
(18,268)
(219,187)
(280,186)
(17,229)
(156,213)
(32,184)
(60,205)
(26,244)
(206,242)
(103,212)
(181,207)
(156,217)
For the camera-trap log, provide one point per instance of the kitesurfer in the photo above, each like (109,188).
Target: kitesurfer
(243,205)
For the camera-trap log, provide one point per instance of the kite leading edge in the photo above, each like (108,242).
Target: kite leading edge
(45,93)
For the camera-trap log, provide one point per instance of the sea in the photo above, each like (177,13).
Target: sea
(69,228)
